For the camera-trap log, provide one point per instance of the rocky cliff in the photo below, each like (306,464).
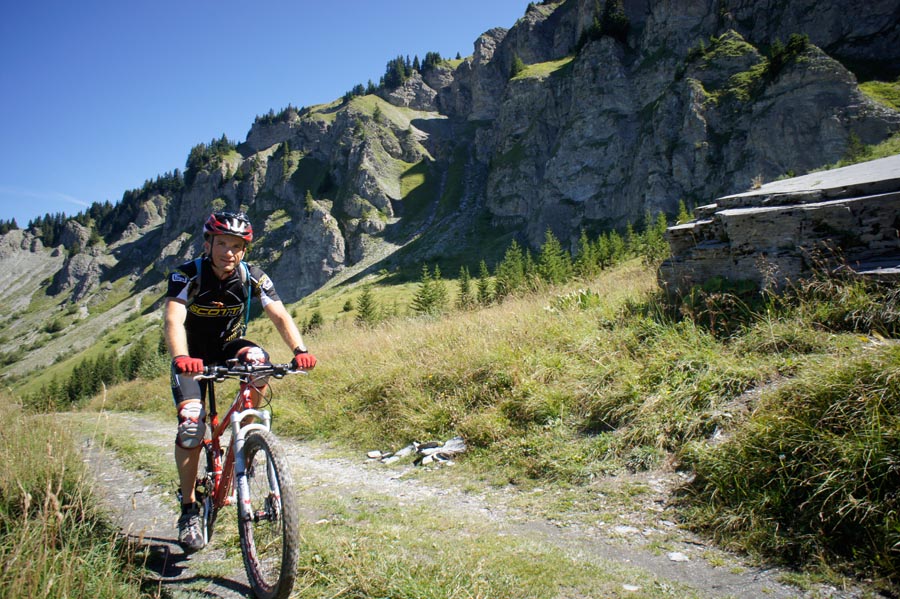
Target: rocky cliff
(581,115)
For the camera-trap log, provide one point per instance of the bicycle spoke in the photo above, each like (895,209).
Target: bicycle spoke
(269,537)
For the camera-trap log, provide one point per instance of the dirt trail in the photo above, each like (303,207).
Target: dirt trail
(147,514)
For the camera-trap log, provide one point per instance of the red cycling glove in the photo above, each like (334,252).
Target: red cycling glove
(186,364)
(303,361)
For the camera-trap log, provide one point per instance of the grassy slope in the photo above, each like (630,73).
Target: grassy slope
(567,386)
(54,540)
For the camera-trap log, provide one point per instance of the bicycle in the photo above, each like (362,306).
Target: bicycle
(254,466)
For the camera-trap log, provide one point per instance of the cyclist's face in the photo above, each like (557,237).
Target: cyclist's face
(226,251)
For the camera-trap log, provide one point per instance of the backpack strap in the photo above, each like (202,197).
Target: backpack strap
(245,279)
(194,282)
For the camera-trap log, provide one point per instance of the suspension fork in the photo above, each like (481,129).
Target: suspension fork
(238,435)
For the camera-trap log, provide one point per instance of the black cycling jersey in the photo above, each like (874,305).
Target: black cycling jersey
(215,307)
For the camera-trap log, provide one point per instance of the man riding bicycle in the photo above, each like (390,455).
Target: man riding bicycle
(206,312)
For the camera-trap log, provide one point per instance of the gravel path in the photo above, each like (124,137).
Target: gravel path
(146,514)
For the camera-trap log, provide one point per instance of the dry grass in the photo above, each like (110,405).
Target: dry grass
(55,542)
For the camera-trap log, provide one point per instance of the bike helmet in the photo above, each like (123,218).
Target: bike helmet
(229,223)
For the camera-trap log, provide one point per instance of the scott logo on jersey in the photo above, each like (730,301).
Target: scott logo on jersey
(215,311)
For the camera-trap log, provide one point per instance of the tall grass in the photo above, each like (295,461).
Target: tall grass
(784,407)
(54,541)
(813,476)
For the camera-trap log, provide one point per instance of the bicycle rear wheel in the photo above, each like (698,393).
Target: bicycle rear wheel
(270,538)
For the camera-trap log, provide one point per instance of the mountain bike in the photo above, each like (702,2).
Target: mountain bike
(253,473)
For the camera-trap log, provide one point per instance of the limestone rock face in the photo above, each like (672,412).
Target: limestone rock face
(479,81)
(857,36)
(414,93)
(81,274)
(597,130)
(626,128)
(313,252)
(75,235)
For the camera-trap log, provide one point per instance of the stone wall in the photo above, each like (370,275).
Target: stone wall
(844,218)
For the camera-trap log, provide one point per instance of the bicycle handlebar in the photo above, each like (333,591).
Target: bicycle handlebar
(238,370)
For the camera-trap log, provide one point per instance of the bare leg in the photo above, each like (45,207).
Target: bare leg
(190,433)
(186,460)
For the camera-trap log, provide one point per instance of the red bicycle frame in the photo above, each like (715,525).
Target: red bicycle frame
(223,473)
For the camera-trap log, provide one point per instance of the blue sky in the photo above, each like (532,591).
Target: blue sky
(100,95)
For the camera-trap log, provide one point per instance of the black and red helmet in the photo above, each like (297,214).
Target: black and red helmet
(229,223)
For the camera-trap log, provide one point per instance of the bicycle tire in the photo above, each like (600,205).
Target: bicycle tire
(204,491)
(270,539)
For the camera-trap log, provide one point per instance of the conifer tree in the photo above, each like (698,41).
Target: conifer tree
(616,247)
(315,322)
(485,295)
(532,274)
(554,263)
(464,299)
(683,215)
(516,67)
(604,253)
(655,245)
(587,264)
(509,276)
(632,242)
(423,300)
(441,295)
(367,312)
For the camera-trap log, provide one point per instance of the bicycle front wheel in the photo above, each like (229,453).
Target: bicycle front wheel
(270,537)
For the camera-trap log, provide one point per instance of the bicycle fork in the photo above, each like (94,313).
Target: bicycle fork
(239,434)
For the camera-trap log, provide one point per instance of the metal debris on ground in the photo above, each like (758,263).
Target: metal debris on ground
(432,452)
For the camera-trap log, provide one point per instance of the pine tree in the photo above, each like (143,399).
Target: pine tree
(587,264)
(367,312)
(604,253)
(616,247)
(285,161)
(516,67)
(554,263)
(484,284)
(510,273)
(632,241)
(315,322)
(441,295)
(656,247)
(464,299)
(532,276)
(423,300)
(683,215)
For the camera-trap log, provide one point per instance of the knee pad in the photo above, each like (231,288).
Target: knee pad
(191,425)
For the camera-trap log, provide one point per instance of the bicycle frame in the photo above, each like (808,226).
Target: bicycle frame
(230,472)
(254,470)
